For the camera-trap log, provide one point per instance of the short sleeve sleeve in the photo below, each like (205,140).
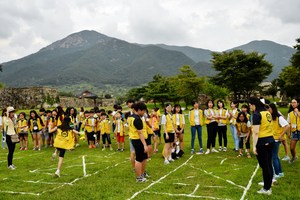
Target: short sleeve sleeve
(256,119)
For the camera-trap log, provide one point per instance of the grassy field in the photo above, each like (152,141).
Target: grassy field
(109,175)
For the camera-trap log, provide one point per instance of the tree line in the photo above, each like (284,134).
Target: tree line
(239,75)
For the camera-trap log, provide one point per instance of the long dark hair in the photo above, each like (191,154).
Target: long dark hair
(291,107)
(222,104)
(174,110)
(60,113)
(238,117)
(275,112)
(65,126)
(36,117)
(259,106)
(167,104)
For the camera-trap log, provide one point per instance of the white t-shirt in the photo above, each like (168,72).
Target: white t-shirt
(178,120)
(208,112)
(0,120)
(196,117)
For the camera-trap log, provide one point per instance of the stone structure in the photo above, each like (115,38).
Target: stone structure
(28,97)
(36,97)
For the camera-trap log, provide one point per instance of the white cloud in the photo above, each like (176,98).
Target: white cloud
(215,25)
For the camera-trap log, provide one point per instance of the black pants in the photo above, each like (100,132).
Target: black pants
(61,152)
(264,157)
(11,148)
(105,137)
(212,129)
(222,133)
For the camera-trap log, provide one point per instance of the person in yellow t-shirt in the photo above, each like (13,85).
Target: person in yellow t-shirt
(223,119)
(138,139)
(35,125)
(65,138)
(294,121)
(179,123)
(154,121)
(243,127)
(280,126)
(119,131)
(105,128)
(23,131)
(263,141)
(169,133)
(196,122)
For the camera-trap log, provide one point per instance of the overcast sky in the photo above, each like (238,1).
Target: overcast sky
(28,26)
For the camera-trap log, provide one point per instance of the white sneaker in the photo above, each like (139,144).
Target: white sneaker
(263,191)
(220,148)
(57,173)
(286,158)
(224,149)
(11,167)
(281,174)
(53,156)
(214,150)
(171,160)
(207,152)
(166,162)
(261,183)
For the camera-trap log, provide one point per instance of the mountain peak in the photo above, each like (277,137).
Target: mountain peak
(83,40)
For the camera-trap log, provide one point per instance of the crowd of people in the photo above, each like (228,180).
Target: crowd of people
(62,129)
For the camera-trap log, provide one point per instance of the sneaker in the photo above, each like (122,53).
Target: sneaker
(141,179)
(207,151)
(122,150)
(263,191)
(220,148)
(293,160)
(192,151)
(34,149)
(276,176)
(261,183)
(171,160)
(11,167)
(286,158)
(90,146)
(225,149)
(25,148)
(76,145)
(166,162)
(57,173)
(39,149)
(200,151)
(281,174)
(214,150)
(145,175)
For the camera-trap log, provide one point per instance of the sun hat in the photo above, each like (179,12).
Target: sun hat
(10,109)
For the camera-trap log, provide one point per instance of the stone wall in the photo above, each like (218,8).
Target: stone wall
(36,97)
(28,97)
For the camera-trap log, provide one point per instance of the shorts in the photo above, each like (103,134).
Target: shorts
(98,135)
(148,140)
(23,134)
(90,136)
(171,138)
(178,129)
(157,133)
(296,135)
(36,132)
(139,150)
(120,138)
(131,146)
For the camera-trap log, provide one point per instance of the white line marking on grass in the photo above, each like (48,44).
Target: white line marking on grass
(221,163)
(196,188)
(47,183)
(217,177)
(181,184)
(249,183)
(184,195)
(84,166)
(12,192)
(163,177)
(107,156)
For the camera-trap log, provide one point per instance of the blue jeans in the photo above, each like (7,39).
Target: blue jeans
(275,159)
(197,128)
(235,136)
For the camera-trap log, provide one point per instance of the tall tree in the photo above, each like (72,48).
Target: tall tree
(187,85)
(289,77)
(241,73)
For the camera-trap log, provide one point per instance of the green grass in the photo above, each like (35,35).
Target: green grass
(219,175)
